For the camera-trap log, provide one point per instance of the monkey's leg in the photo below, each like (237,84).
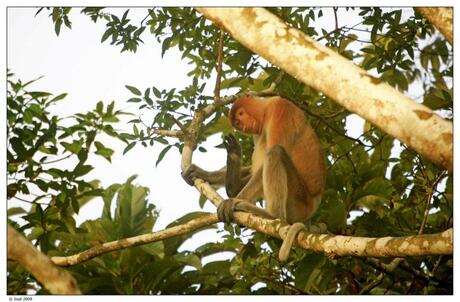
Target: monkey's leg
(281,189)
(245,200)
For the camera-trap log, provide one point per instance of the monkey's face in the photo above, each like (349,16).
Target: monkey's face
(244,122)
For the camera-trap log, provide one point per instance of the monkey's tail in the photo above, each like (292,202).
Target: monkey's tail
(288,240)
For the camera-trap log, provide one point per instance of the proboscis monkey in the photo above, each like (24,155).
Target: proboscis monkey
(287,165)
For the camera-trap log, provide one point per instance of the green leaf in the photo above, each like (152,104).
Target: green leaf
(375,203)
(81,170)
(75,205)
(129,147)
(155,249)
(57,26)
(74,147)
(134,100)
(56,173)
(28,116)
(39,94)
(305,271)
(202,200)
(99,107)
(103,151)
(107,34)
(189,259)
(57,98)
(156,92)
(18,147)
(16,211)
(379,186)
(134,90)
(162,154)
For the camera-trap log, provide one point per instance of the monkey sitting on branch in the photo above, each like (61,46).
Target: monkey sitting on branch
(287,169)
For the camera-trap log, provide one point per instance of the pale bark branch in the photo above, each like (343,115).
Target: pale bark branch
(135,241)
(165,132)
(352,87)
(441,18)
(54,279)
(417,245)
(195,126)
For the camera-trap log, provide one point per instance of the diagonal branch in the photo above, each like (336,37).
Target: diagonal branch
(347,84)
(135,241)
(441,18)
(54,279)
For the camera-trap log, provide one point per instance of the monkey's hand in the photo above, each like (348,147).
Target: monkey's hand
(233,148)
(191,173)
(289,237)
(214,178)
(227,208)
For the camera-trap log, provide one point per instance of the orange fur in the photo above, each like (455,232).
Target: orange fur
(277,122)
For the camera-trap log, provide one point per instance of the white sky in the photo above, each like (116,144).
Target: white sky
(77,63)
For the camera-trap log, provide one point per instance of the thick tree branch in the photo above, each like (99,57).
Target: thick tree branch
(441,18)
(417,245)
(322,68)
(54,279)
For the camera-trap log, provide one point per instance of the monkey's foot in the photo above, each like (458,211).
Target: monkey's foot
(289,237)
(320,228)
(226,209)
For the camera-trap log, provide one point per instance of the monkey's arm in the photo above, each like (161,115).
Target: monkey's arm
(214,178)
(237,176)
(234,176)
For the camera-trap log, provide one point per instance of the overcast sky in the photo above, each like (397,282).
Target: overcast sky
(77,63)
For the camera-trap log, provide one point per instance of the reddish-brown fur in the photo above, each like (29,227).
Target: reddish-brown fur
(278,122)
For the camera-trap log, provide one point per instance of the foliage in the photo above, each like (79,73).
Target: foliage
(375,185)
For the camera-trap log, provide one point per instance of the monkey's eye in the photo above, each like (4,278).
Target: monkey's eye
(240,113)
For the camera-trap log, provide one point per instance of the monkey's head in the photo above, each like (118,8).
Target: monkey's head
(247,114)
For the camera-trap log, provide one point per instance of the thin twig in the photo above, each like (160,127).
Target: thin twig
(181,126)
(335,17)
(436,266)
(319,117)
(165,132)
(373,284)
(219,66)
(428,202)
